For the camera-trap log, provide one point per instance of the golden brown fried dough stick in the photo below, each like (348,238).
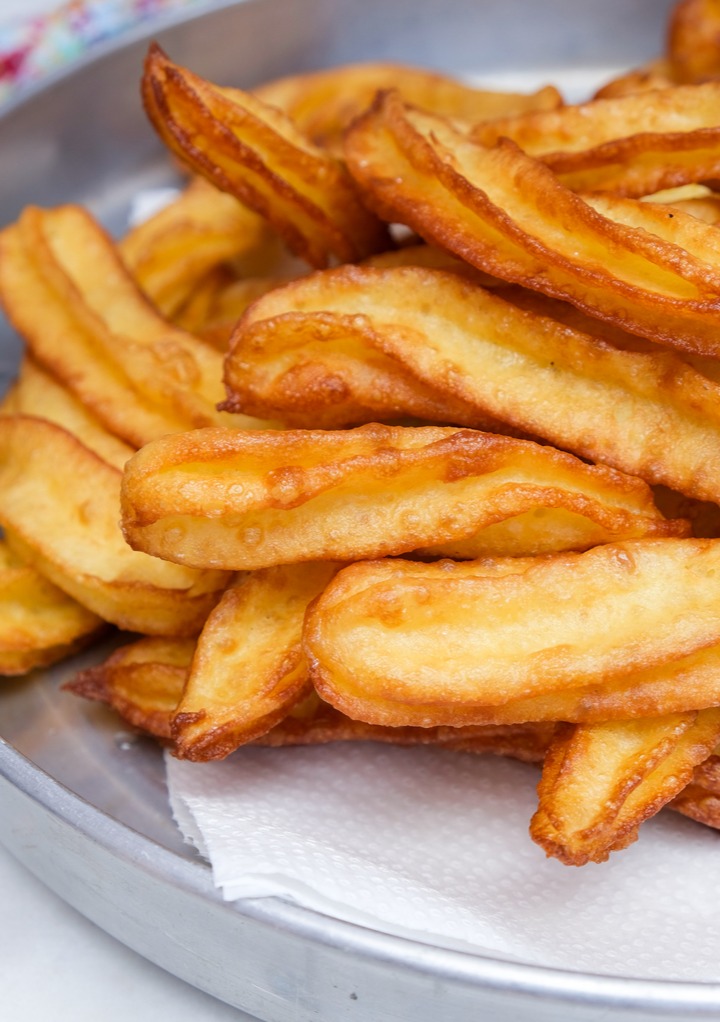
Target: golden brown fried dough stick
(174,249)
(319,368)
(217,321)
(39,623)
(656,74)
(399,643)
(322,104)
(676,687)
(300,351)
(244,674)
(600,782)
(692,52)
(507,214)
(84,320)
(700,800)
(180,370)
(38,394)
(194,313)
(633,145)
(245,500)
(254,151)
(142,681)
(693,40)
(249,669)
(59,506)
(52,318)
(662,220)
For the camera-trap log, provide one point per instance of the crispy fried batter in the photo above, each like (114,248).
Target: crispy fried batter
(417,341)
(397,643)
(308,360)
(700,800)
(693,43)
(174,249)
(312,721)
(37,394)
(67,292)
(322,104)
(600,782)
(692,52)
(244,500)
(537,309)
(142,681)
(71,534)
(630,145)
(216,323)
(249,669)
(510,216)
(39,623)
(253,151)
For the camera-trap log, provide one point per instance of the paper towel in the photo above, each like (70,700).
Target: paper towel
(434,844)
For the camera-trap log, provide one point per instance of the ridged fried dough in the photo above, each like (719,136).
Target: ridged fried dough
(244,500)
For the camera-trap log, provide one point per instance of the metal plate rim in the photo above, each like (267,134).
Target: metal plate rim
(468,968)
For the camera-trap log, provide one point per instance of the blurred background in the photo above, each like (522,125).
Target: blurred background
(38,37)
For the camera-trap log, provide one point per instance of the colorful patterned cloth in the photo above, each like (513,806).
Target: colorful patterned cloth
(33,47)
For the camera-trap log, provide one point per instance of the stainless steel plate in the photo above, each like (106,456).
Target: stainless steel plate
(82,801)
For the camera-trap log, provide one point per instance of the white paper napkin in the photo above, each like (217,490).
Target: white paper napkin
(434,844)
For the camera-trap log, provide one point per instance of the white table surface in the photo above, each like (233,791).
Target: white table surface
(55,965)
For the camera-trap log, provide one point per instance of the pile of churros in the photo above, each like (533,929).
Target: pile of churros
(400,423)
